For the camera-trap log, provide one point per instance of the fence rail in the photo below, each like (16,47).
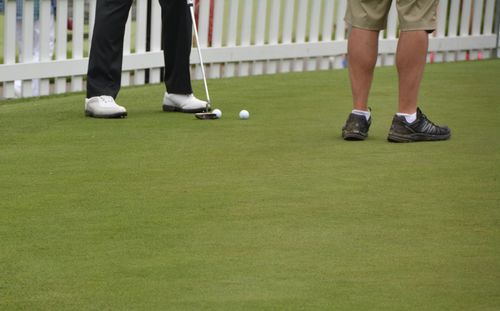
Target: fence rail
(238,38)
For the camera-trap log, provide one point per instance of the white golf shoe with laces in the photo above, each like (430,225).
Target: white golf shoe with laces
(183,103)
(103,107)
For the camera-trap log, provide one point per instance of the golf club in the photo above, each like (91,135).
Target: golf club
(201,115)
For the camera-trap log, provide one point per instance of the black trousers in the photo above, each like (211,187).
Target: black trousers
(106,53)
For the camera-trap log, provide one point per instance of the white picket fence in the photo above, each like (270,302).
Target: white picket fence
(243,37)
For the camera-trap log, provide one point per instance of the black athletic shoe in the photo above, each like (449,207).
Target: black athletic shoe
(356,127)
(422,129)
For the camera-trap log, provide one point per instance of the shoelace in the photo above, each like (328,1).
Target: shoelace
(429,126)
(108,101)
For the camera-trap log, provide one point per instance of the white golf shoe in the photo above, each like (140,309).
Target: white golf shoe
(103,107)
(183,103)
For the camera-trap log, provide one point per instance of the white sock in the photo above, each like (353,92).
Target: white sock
(410,118)
(367,114)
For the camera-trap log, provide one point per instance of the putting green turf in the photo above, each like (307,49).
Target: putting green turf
(161,211)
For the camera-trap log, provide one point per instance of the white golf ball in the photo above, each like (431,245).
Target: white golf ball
(244,114)
(217,112)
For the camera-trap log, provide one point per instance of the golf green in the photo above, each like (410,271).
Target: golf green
(160,211)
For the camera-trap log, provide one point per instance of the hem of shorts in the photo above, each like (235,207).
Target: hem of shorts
(429,28)
(419,28)
(364,27)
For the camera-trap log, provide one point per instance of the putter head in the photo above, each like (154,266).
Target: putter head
(205,115)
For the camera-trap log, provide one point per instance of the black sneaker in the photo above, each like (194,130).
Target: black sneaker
(356,127)
(422,129)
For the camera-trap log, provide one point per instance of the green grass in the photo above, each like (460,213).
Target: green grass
(164,212)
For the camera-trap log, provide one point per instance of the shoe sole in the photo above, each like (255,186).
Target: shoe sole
(117,115)
(354,136)
(168,108)
(397,138)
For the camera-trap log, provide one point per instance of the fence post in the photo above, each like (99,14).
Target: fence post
(46,38)
(328,24)
(141,7)
(9,48)
(77,33)
(148,36)
(497,29)
(61,42)
(27,43)
(155,44)
(287,35)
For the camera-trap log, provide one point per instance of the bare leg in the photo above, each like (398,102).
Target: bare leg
(362,52)
(410,60)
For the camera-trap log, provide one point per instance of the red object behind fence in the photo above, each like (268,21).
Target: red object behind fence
(210,19)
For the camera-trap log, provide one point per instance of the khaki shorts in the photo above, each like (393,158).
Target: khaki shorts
(372,14)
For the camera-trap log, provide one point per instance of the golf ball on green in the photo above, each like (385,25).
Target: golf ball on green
(244,114)
(218,113)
